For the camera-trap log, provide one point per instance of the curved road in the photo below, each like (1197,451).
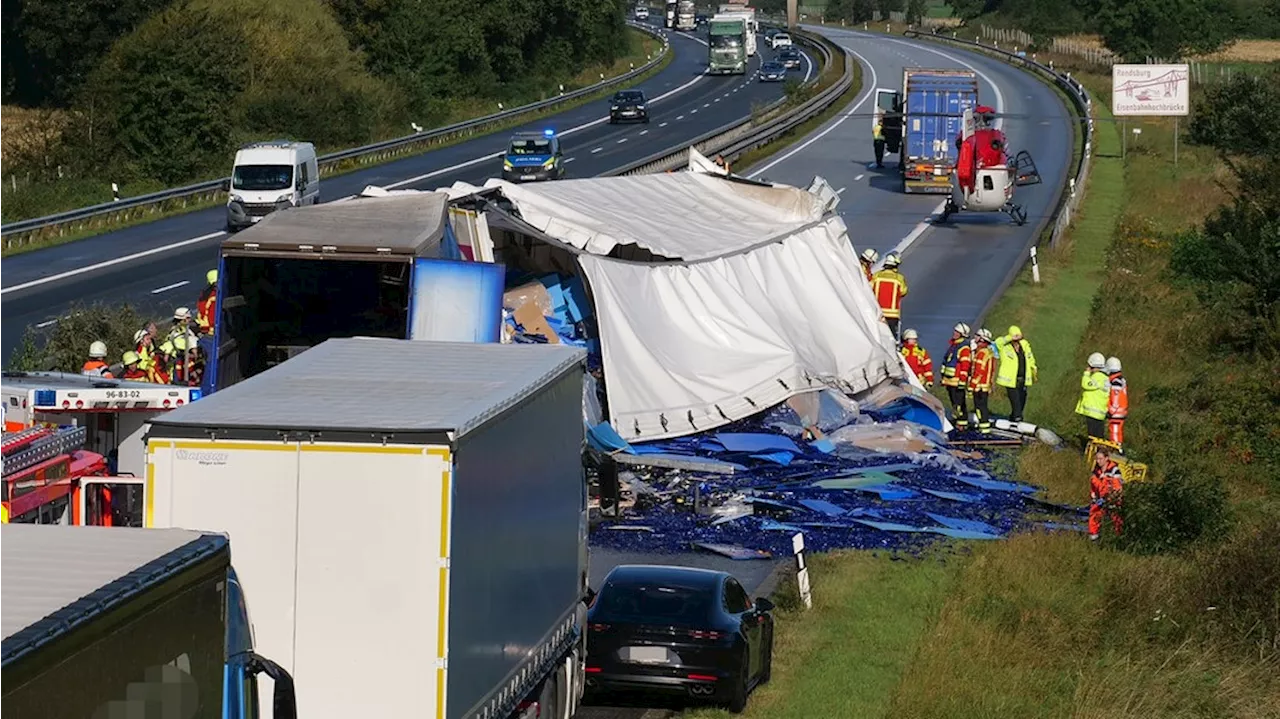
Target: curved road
(161,265)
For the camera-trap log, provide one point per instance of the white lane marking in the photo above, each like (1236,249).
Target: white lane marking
(808,70)
(680,117)
(111,263)
(622,141)
(841,190)
(173,286)
(567,160)
(706,104)
(392,186)
(598,149)
(866,95)
(693,111)
(870,165)
(859,178)
(42,325)
(716,100)
(646,132)
(901,247)
(664,124)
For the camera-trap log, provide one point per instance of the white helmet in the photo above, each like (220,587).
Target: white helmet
(962,328)
(98,350)
(1096,360)
(138,336)
(870,256)
(910,335)
(984,334)
(182,313)
(892,260)
(1113,365)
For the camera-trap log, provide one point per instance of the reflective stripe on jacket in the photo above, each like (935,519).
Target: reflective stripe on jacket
(1105,481)
(919,361)
(955,364)
(1093,400)
(889,287)
(1118,397)
(983,367)
(1007,375)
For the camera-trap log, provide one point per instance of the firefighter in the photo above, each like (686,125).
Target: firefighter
(917,358)
(132,366)
(877,139)
(181,324)
(183,354)
(207,303)
(96,364)
(1105,486)
(955,374)
(158,369)
(868,258)
(1093,398)
(889,287)
(1017,370)
(984,361)
(1117,400)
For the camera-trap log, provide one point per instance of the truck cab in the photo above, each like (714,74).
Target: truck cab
(533,157)
(727,46)
(270,176)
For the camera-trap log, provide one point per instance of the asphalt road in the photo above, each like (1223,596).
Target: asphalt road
(161,265)
(952,270)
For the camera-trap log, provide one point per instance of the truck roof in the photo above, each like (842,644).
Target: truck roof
(67,380)
(53,578)
(394,224)
(379,385)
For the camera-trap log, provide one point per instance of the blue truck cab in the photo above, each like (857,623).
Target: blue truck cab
(532,157)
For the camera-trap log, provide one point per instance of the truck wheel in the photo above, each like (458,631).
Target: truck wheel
(548,699)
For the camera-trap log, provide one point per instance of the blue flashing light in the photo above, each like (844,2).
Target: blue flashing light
(46,397)
(195,395)
(549,132)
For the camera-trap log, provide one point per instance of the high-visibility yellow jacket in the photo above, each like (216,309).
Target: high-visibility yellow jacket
(877,132)
(1007,375)
(1097,390)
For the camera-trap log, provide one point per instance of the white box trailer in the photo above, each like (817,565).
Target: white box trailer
(408,520)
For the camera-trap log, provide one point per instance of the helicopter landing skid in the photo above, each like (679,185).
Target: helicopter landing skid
(1016,212)
(948,210)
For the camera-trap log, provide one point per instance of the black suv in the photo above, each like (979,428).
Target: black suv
(629,106)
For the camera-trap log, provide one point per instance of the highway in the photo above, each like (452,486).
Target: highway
(953,271)
(161,265)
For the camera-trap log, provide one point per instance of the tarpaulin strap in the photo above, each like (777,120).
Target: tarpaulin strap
(784,384)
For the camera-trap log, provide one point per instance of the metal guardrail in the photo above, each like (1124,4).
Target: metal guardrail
(23,231)
(741,136)
(1073,194)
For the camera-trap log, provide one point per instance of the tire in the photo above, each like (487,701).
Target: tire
(548,698)
(766,671)
(742,688)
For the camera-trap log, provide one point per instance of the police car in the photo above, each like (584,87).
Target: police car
(533,156)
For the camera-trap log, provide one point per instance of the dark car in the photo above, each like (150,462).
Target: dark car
(773,72)
(688,631)
(629,106)
(790,57)
(533,156)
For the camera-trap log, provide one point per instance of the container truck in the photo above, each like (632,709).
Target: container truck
(409,517)
(727,46)
(116,622)
(380,266)
(748,15)
(686,14)
(923,120)
(669,17)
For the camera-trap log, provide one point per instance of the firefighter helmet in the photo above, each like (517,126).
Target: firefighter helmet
(961,329)
(892,260)
(984,334)
(98,350)
(1015,332)
(1113,365)
(139,336)
(870,256)
(182,313)
(910,335)
(130,357)
(1097,361)
(212,277)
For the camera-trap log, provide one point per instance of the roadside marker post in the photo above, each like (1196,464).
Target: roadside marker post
(802,571)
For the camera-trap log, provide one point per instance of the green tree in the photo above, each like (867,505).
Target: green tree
(1166,29)
(1240,117)
(66,346)
(167,92)
(52,46)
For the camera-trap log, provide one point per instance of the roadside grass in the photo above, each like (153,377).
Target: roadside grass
(1050,625)
(37,199)
(872,613)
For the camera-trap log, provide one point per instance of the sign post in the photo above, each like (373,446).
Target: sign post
(1152,91)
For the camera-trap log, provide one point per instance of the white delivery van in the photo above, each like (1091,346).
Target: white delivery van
(270,176)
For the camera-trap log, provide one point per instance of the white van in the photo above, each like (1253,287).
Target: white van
(270,176)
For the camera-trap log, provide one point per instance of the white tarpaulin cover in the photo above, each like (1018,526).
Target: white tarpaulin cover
(769,300)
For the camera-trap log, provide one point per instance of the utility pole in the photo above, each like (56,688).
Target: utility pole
(792,14)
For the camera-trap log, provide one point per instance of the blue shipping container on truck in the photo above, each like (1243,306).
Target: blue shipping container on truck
(933,118)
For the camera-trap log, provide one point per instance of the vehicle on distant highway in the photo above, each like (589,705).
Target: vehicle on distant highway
(629,106)
(779,39)
(773,71)
(790,57)
(686,19)
(694,632)
(669,20)
(642,12)
(270,176)
(533,156)
(727,46)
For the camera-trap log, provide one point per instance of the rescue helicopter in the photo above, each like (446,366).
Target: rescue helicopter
(986,173)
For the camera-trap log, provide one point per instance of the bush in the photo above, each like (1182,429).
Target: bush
(1239,117)
(67,345)
(1241,581)
(1161,516)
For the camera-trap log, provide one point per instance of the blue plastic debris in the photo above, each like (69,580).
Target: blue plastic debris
(888,493)
(962,533)
(772,525)
(970,525)
(733,551)
(823,445)
(891,526)
(994,485)
(782,458)
(606,439)
(755,442)
(825,507)
(953,496)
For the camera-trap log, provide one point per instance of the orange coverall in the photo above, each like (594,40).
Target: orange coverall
(1104,494)
(1117,408)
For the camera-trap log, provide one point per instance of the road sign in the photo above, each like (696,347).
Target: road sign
(1150,90)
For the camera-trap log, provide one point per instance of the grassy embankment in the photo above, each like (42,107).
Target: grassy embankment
(40,199)
(1047,625)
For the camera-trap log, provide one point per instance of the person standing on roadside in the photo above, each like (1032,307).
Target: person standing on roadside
(1105,485)
(1117,400)
(1017,370)
(890,287)
(1094,395)
(980,379)
(867,259)
(955,374)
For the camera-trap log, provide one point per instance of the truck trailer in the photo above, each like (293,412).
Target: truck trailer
(727,45)
(923,120)
(409,517)
(379,266)
(686,14)
(116,622)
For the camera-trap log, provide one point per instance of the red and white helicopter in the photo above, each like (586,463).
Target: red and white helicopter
(985,175)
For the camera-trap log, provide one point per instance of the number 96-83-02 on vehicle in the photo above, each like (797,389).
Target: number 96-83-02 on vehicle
(533,156)
(678,630)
